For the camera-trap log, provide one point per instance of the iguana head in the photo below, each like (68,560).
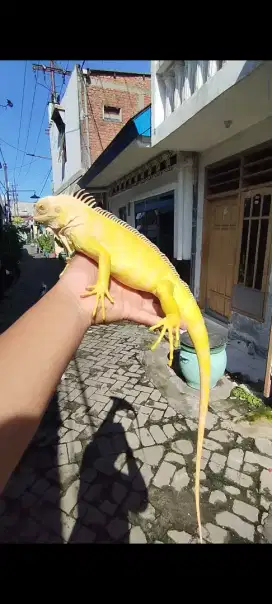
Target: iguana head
(56,212)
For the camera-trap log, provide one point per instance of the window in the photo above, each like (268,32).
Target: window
(254,240)
(112,114)
(57,119)
(123,213)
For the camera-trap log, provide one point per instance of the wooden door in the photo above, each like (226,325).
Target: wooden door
(223,236)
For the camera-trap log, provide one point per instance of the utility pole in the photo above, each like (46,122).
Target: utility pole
(52,69)
(7,191)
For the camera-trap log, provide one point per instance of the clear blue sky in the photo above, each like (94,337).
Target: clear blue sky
(33,138)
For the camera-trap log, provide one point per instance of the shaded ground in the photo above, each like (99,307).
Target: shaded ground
(114,462)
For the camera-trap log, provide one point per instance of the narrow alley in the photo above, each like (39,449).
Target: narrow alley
(113,459)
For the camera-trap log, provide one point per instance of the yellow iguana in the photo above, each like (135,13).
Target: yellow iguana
(127,255)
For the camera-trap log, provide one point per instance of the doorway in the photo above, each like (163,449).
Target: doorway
(223,240)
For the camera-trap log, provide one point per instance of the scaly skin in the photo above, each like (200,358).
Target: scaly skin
(134,261)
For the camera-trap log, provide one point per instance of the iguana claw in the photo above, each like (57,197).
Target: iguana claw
(100,291)
(167,324)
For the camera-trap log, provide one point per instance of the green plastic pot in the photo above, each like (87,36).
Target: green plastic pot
(189,364)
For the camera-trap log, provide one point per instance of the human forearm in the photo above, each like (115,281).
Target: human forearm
(34,352)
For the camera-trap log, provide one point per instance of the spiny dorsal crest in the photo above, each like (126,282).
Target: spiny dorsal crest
(85,197)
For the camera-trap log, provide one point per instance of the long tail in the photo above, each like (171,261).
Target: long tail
(196,327)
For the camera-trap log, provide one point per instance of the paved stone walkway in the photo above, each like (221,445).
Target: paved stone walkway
(113,462)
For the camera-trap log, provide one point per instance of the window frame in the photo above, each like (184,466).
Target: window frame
(110,119)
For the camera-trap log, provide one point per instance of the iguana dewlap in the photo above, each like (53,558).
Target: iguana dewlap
(121,251)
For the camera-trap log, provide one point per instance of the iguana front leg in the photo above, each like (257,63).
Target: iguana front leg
(171,321)
(101,288)
(64,242)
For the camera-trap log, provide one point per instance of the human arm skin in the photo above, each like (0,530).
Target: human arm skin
(36,349)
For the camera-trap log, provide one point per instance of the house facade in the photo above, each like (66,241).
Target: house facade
(149,188)
(93,110)
(220,112)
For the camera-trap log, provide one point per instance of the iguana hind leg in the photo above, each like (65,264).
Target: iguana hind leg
(171,321)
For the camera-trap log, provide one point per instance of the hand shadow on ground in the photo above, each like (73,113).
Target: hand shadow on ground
(111,485)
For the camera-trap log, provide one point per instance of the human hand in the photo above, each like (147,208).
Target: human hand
(129,304)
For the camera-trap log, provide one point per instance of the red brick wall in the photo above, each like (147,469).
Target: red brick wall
(132,93)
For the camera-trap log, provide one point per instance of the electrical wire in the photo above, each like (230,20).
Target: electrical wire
(45,181)
(64,78)
(12,146)
(29,124)
(20,126)
(2,155)
(38,137)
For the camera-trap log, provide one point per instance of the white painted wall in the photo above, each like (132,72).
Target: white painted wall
(71,118)
(200,85)
(178,180)
(256,135)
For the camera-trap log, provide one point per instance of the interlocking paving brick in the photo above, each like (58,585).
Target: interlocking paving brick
(164,474)
(266,482)
(212,445)
(40,486)
(217,462)
(256,458)
(217,497)
(169,430)
(170,412)
(146,438)
(244,509)
(108,507)
(142,478)
(156,415)
(150,455)
(179,536)
(223,436)
(236,524)
(239,478)
(235,458)
(74,448)
(158,434)
(155,395)
(182,446)
(132,440)
(119,492)
(215,534)
(137,535)
(117,528)
(180,480)
(232,490)
(69,500)
(175,458)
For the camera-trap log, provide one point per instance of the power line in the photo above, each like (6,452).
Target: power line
(38,137)
(23,96)
(29,124)
(63,81)
(45,181)
(12,146)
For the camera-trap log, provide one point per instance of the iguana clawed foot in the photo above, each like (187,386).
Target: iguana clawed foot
(170,323)
(100,291)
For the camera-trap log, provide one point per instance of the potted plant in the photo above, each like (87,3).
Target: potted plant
(46,244)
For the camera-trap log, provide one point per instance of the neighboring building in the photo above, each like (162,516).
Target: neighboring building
(208,168)
(147,188)
(24,209)
(221,111)
(95,107)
